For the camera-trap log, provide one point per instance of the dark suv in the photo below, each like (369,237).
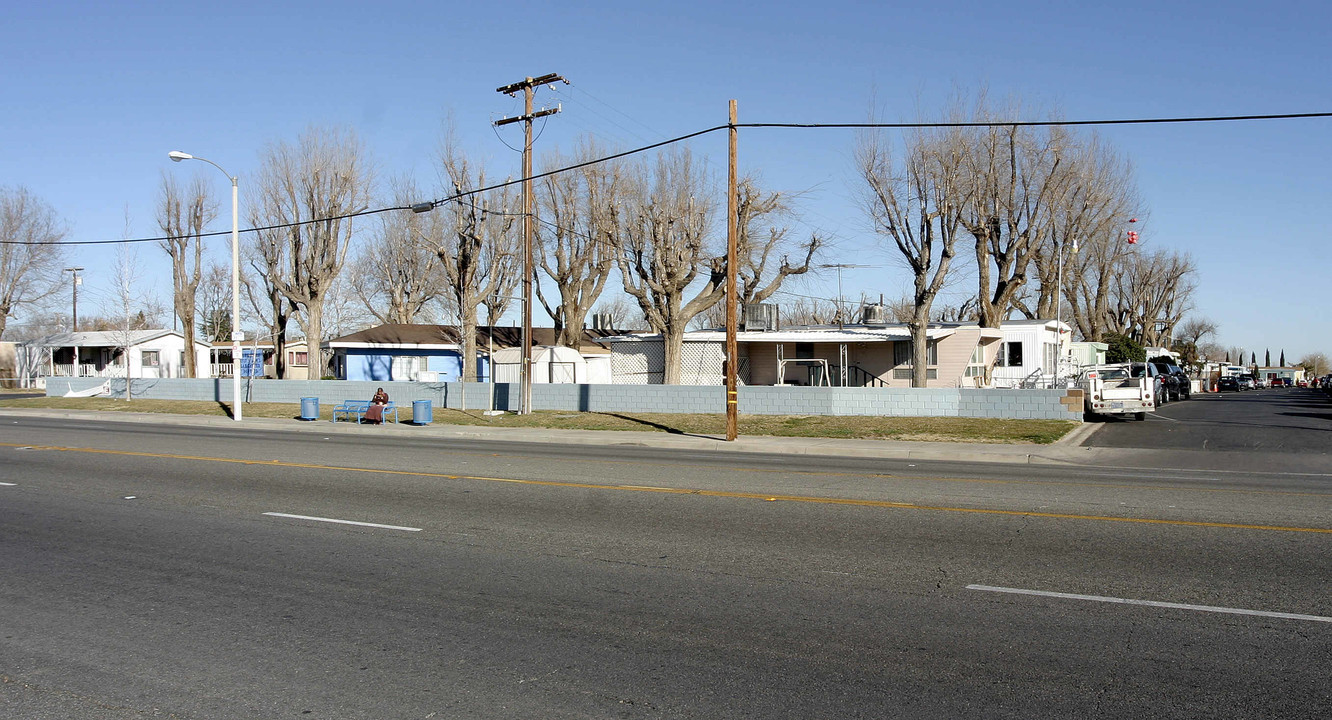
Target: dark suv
(1185,385)
(1170,382)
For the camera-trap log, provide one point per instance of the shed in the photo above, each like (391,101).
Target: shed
(550,364)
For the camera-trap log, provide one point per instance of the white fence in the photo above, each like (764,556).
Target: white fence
(88,370)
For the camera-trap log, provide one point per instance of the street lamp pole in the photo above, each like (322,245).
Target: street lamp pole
(236,335)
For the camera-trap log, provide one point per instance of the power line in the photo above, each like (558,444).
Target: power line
(1039,123)
(689,136)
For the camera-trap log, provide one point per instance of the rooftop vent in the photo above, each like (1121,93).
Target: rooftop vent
(760,317)
(874,315)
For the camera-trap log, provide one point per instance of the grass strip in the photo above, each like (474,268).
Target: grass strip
(932,429)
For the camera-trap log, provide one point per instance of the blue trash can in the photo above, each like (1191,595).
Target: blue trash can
(422,414)
(310,408)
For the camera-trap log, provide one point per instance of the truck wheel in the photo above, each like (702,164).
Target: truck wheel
(1140,416)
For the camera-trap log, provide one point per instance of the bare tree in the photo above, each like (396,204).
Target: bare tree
(396,275)
(578,235)
(763,239)
(809,311)
(472,241)
(914,201)
(182,214)
(667,248)
(126,316)
(212,304)
(624,313)
(1315,363)
(344,310)
(30,251)
(310,189)
(267,257)
(1085,220)
(1015,179)
(1153,290)
(1196,330)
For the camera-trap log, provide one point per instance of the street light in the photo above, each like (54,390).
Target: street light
(236,335)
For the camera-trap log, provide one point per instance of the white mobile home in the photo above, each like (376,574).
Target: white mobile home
(135,354)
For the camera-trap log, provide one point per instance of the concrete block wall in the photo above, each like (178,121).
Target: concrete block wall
(1056,404)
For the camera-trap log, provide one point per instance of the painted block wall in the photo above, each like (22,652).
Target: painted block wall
(1038,404)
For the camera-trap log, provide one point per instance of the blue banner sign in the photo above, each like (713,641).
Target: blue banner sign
(252,363)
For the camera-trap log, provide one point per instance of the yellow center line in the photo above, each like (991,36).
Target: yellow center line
(925,478)
(854,502)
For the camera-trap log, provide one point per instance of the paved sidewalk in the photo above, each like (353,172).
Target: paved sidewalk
(1065,450)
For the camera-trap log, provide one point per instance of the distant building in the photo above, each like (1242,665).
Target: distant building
(433,353)
(113,353)
(1020,353)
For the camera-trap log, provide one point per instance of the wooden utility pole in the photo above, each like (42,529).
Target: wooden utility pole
(732,301)
(528,85)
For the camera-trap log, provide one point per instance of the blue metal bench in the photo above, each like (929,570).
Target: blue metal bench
(358,409)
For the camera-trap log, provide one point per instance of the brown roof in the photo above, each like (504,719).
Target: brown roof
(504,336)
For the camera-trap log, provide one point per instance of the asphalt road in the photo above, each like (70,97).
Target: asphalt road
(144,576)
(1284,420)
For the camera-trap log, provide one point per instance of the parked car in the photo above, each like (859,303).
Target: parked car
(1247,383)
(1229,382)
(1168,387)
(1120,389)
(1184,383)
(1278,382)
(1155,382)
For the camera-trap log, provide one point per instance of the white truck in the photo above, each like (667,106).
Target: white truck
(1120,389)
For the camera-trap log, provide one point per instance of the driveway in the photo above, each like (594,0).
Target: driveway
(1289,421)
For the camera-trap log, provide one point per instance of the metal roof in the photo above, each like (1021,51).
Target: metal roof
(816,334)
(103,338)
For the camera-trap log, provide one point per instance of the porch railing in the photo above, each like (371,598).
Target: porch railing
(89,370)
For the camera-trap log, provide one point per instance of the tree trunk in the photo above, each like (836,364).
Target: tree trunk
(672,339)
(467,329)
(920,358)
(314,327)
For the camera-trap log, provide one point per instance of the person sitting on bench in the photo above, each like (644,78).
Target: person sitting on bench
(375,413)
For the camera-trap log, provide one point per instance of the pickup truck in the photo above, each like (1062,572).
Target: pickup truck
(1120,389)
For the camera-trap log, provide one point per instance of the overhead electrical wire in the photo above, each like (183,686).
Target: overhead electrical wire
(689,136)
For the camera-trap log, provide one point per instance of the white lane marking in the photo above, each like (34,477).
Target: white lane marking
(129,497)
(9,484)
(343,522)
(1152,603)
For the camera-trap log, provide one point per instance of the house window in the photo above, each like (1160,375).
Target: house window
(1051,357)
(406,367)
(905,374)
(976,366)
(152,358)
(1010,355)
(902,353)
(300,358)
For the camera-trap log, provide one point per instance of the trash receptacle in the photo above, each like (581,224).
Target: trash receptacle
(421,412)
(310,408)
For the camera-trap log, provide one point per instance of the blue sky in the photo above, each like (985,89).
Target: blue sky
(95,94)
